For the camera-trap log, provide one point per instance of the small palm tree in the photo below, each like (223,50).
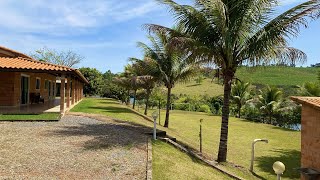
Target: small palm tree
(125,83)
(240,94)
(145,79)
(311,89)
(168,64)
(269,101)
(229,33)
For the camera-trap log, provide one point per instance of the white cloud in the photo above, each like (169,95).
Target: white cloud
(68,16)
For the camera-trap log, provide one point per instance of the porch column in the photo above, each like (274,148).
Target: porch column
(68,92)
(62,93)
(73,91)
(76,91)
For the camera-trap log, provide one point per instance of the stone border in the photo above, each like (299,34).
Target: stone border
(149,160)
(211,164)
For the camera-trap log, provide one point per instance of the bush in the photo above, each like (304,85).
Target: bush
(204,108)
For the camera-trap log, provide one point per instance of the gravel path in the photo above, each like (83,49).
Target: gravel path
(73,148)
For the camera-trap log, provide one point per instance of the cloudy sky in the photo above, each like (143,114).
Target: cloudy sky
(105,32)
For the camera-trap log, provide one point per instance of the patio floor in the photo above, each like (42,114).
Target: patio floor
(52,106)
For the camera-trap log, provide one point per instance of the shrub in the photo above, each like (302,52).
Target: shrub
(204,108)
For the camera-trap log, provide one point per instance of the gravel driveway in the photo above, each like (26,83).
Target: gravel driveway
(73,148)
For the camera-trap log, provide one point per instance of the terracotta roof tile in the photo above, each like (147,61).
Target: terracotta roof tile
(312,101)
(22,63)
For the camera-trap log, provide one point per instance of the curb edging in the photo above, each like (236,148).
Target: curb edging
(149,160)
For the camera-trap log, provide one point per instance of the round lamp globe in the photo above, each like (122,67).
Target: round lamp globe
(278,167)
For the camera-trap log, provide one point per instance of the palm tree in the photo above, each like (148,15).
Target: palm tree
(311,89)
(240,93)
(125,83)
(168,63)
(145,79)
(132,73)
(269,101)
(230,33)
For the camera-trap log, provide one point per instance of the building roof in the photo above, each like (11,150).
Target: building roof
(21,62)
(6,52)
(312,101)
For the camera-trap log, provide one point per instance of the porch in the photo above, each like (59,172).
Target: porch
(52,106)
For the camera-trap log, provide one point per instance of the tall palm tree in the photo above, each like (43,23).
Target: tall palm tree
(170,64)
(229,33)
(269,101)
(240,93)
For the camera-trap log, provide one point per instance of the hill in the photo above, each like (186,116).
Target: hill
(278,76)
(275,76)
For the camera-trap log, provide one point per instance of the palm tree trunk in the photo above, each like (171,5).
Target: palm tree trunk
(128,98)
(223,146)
(134,99)
(147,103)
(166,123)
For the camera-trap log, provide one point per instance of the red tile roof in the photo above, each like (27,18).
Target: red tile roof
(312,101)
(21,63)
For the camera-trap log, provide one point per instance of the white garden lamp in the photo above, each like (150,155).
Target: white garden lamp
(155,116)
(278,168)
(253,148)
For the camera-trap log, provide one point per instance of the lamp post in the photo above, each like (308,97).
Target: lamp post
(155,116)
(252,151)
(278,168)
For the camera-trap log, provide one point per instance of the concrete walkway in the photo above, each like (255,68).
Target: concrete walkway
(73,148)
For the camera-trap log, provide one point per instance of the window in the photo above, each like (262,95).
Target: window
(46,84)
(38,83)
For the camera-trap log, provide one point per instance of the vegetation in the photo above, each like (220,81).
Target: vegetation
(229,34)
(185,127)
(65,58)
(278,75)
(30,117)
(95,79)
(170,163)
(168,64)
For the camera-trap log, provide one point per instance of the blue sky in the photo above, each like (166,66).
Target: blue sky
(105,32)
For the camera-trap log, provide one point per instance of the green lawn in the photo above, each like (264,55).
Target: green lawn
(30,117)
(170,163)
(192,88)
(284,145)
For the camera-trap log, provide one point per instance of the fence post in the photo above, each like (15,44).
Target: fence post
(200,135)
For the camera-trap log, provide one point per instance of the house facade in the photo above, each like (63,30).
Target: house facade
(24,81)
(310,133)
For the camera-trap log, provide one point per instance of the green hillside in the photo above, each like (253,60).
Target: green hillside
(192,88)
(275,76)
(278,76)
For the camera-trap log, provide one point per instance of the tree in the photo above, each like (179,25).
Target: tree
(65,58)
(240,93)
(229,33)
(311,89)
(125,83)
(95,79)
(145,79)
(171,64)
(269,101)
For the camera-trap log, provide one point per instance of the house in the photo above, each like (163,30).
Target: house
(24,81)
(310,133)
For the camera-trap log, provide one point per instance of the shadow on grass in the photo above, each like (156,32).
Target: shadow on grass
(193,85)
(106,135)
(291,159)
(117,110)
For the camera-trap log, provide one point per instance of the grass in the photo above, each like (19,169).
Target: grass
(278,76)
(30,117)
(274,76)
(284,145)
(192,88)
(170,163)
